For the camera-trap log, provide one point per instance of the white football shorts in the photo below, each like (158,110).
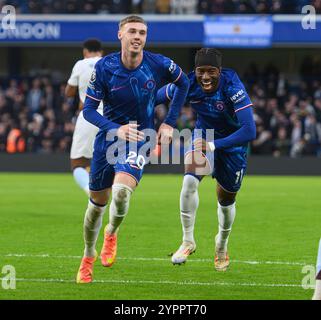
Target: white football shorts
(83,138)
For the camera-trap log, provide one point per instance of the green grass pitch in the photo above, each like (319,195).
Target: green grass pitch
(276,233)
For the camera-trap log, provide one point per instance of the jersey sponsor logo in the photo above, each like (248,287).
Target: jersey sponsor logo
(150,85)
(238,97)
(172,67)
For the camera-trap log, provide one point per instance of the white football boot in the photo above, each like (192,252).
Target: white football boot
(180,256)
(221,261)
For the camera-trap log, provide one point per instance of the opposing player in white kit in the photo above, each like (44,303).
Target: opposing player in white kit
(85,133)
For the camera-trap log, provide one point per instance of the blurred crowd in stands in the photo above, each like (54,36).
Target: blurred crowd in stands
(36,117)
(287,114)
(161,6)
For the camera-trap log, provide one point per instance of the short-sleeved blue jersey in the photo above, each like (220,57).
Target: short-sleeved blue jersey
(129,95)
(217,110)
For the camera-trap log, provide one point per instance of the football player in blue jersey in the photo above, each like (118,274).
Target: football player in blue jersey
(221,103)
(127,82)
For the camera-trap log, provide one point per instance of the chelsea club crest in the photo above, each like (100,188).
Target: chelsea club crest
(219,106)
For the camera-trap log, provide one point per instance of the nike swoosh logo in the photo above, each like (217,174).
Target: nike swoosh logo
(117,88)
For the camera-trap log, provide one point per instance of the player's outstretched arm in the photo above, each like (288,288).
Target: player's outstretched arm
(245,134)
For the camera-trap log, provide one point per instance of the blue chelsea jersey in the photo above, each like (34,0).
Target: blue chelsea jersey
(129,95)
(218,110)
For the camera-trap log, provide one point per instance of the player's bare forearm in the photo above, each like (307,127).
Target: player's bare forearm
(80,105)
(70,91)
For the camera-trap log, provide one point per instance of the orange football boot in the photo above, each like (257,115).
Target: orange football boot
(109,249)
(86,269)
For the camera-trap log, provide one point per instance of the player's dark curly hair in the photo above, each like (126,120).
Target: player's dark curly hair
(92,45)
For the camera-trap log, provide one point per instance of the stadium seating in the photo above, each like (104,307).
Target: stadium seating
(162,7)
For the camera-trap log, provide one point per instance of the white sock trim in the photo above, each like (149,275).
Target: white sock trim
(97,207)
(230,205)
(122,186)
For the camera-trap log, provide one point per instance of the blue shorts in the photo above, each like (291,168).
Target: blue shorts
(102,171)
(228,166)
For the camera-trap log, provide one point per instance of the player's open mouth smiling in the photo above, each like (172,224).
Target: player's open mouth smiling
(136,44)
(207,85)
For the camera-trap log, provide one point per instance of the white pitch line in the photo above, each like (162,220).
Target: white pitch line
(15,255)
(180,283)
